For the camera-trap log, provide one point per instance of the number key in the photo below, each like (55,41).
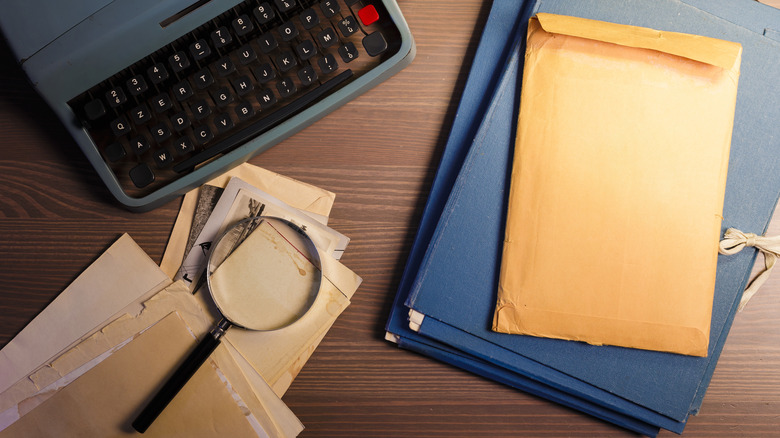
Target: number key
(221,37)
(243,25)
(200,49)
(115,97)
(179,61)
(264,13)
(157,73)
(136,85)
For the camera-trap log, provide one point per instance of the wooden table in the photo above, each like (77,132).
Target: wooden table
(378,154)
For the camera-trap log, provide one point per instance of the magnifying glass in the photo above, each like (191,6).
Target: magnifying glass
(263,273)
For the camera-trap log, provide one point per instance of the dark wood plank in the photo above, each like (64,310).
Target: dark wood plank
(378,154)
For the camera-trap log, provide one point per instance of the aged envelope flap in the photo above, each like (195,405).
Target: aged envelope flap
(720,53)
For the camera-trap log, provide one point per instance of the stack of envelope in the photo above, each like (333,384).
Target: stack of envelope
(88,363)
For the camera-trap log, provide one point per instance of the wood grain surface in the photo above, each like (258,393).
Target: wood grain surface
(378,154)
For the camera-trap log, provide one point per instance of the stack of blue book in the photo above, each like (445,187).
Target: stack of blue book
(445,302)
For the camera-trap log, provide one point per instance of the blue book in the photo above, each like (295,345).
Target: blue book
(501,32)
(455,282)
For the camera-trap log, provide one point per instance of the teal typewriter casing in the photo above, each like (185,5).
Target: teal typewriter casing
(67,46)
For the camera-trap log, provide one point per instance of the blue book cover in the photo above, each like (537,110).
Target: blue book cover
(490,158)
(500,32)
(455,286)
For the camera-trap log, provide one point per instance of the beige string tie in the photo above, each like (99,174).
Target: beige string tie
(734,241)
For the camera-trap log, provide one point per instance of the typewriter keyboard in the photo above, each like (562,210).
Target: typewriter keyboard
(228,81)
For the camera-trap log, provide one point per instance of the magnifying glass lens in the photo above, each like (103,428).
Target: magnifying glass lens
(263,275)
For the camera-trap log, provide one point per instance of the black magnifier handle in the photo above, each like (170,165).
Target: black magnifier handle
(182,375)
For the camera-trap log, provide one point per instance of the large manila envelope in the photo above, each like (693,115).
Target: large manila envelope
(617,185)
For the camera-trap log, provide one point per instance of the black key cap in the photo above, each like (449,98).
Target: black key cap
(203,135)
(242,25)
(221,37)
(157,73)
(246,54)
(327,37)
(200,109)
(115,152)
(264,13)
(263,124)
(309,19)
(267,98)
(348,52)
(161,103)
(200,49)
(307,76)
(139,145)
(178,61)
(115,97)
(243,85)
(264,73)
(141,175)
(306,49)
(223,122)
(94,109)
(286,87)
(348,25)
(222,97)
(286,61)
(245,111)
(160,132)
(163,158)
(180,121)
(288,31)
(224,66)
(183,146)
(285,5)
(136,85)
(140,114)
(267,43)
(182,91)
(202,79)
(120,126)
(375,44)
(330,8)
(328,64)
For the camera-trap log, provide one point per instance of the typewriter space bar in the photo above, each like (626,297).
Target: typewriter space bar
(263,124)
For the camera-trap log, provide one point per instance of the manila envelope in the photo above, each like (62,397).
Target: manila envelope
(617,185)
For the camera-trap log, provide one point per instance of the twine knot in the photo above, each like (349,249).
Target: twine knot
(735,240)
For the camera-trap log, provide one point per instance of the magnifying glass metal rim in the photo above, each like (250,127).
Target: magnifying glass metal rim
(313,254)
(212,339)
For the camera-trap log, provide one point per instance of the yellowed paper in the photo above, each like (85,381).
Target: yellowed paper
(109,284)
(617,185)
(104,401)
(295,193)
(279,355)
(271,413)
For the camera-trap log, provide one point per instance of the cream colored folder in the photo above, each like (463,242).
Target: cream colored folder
(617,187)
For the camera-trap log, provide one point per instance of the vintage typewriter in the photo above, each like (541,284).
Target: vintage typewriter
(163,95)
